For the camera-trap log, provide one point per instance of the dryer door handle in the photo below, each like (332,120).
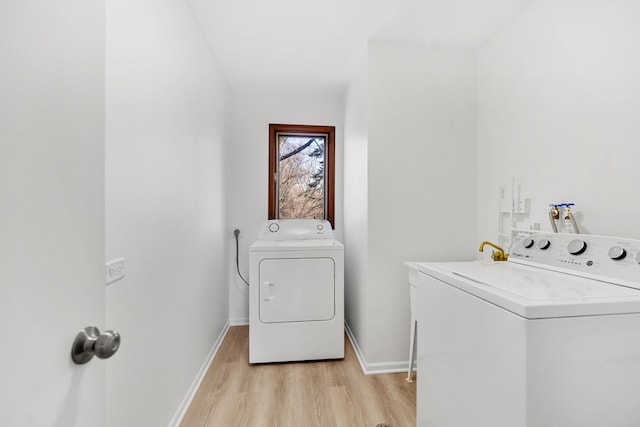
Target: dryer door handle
(268,291)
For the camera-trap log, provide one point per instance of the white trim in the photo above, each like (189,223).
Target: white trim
(356,347)
(186,401)
(387,367)
(374,368)
(240,321)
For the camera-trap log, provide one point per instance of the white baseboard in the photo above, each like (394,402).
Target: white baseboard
(186,401)
(240,321)
(356,347)
(374,368)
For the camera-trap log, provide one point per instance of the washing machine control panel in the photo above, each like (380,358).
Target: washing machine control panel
(612,259)
(295,229)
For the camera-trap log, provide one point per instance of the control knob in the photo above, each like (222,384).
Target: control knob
(577,246)
(273,227)
(617,253)
(544,244)
(527,243)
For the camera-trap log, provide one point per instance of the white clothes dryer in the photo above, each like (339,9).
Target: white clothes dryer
(550,338)
(296,296)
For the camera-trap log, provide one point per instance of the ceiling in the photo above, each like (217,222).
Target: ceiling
(311,46)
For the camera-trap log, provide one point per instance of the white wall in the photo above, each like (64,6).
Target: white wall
(420,151)
(355,202)
(421,176)
(558,103)
(247,154)
(165,206)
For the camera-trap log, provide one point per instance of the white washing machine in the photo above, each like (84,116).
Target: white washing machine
(550,338)
(296,296)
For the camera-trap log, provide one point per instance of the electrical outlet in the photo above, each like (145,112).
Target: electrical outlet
(115,270)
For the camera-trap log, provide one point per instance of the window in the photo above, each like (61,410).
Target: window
(301,171)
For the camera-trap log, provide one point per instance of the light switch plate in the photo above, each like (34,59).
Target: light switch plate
(114,270)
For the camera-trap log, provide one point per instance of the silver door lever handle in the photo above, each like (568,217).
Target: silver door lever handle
(90,342)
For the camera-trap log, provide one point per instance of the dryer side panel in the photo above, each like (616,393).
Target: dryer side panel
(296,290)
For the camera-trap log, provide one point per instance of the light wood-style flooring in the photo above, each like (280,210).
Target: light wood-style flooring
(308,394)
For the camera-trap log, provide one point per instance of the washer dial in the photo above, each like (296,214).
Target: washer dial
(544,244)
(527,243)
(617,253)
(577,246)
(273,227)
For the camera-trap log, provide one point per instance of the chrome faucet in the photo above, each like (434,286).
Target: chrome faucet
(497,256)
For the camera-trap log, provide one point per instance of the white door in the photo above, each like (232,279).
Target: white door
(51,210)
(297,290)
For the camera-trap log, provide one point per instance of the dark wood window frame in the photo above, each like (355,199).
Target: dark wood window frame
(330,131)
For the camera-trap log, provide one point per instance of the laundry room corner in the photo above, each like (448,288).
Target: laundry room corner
(249,116)
(558,96)
(410,181)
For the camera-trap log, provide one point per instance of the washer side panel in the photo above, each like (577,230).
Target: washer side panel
(471,360)
(584,371)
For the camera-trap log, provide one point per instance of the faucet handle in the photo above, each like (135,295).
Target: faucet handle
(499,256)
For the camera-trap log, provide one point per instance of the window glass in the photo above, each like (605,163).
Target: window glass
(301,166)
(301,171)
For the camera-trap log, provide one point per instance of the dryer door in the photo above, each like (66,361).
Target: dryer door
(297,289)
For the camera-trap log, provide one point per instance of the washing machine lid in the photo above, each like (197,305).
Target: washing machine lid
(296,245)
(535,293)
